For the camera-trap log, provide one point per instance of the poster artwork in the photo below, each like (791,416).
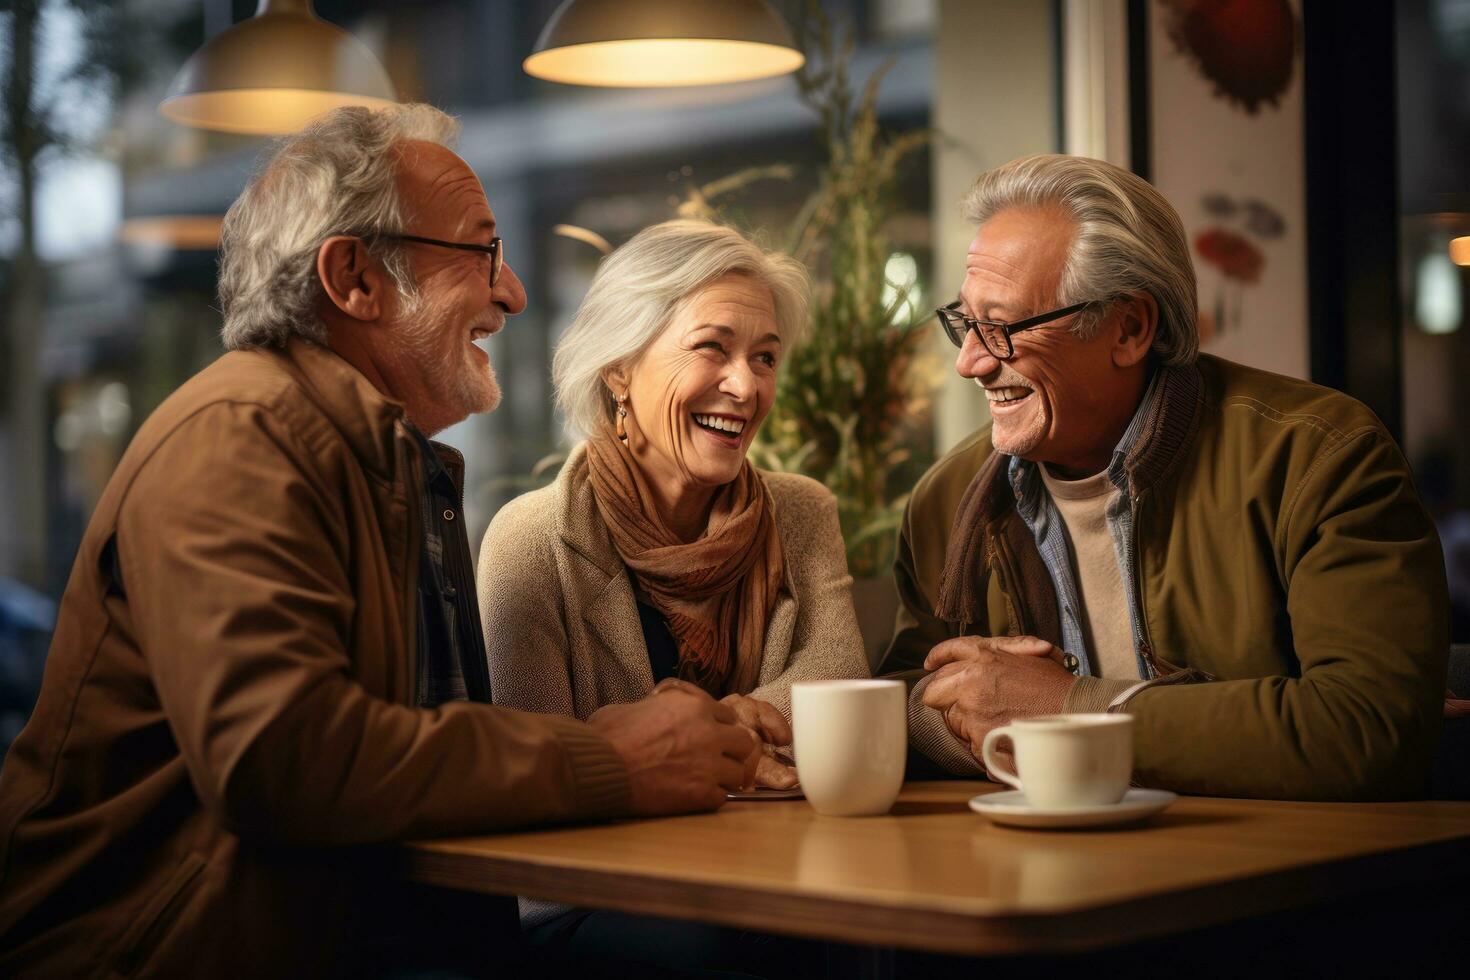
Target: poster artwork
(1228,151)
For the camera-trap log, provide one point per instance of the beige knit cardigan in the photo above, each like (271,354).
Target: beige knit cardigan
(561,623)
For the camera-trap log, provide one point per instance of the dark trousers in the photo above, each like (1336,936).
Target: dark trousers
(608,944)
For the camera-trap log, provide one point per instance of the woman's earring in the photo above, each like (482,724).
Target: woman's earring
(622,414)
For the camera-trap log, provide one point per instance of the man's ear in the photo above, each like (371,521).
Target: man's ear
(1137,323)
(354,281)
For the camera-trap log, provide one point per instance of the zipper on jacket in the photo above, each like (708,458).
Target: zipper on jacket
(1140,620)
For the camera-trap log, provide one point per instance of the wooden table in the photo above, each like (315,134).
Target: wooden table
(935,876)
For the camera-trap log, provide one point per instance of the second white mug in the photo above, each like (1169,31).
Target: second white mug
(1065,761)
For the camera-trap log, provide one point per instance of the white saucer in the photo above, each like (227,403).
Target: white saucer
(1011,809)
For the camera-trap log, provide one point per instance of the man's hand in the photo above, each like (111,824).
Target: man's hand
(771,732)
(683,749)
(982,682)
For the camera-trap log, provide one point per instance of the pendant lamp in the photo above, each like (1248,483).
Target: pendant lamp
(272,73)
(1460,250)
(662,43)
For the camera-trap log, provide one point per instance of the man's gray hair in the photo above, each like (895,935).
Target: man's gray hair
(336,177)
(638,290)
(1129,240)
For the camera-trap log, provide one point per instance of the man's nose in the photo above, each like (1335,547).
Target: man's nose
(975,359)
(508,291)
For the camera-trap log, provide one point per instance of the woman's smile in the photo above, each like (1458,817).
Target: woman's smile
(726,431)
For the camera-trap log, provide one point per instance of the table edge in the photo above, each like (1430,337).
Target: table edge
(866,921)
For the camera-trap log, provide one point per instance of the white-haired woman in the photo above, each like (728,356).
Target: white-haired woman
(660,551)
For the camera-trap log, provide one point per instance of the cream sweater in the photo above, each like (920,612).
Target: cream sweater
(561,622)
(1107,625)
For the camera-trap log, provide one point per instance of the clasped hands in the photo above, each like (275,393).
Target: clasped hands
(982,682)
(683,750)
(770,731)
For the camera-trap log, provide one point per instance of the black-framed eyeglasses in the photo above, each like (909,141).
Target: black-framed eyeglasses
(995,335)
(494,250)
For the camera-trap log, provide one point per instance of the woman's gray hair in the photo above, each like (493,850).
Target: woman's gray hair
(638,290)
(1129,239)
(336,177)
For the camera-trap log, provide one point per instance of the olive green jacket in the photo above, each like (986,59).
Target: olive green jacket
(1282,558)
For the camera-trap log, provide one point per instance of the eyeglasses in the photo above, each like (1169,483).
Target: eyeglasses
(494,250)
(995,335)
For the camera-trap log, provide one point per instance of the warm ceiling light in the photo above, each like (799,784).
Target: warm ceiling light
(1460,251)
(188,232)
(660,43)
(272,73)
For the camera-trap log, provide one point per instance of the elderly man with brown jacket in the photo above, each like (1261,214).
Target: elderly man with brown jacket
(269,648)
(1237,559)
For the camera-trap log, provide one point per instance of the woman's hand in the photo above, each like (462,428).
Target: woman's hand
(770,728)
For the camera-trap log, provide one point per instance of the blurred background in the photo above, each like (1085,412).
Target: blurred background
(1318,152)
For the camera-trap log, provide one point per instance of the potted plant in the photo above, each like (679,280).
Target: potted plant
(852,404)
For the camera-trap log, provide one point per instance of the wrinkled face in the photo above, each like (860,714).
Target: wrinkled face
(699,392)
(445,375)
(1055,400)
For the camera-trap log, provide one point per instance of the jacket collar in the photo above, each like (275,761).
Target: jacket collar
(366,418)
(1168,425)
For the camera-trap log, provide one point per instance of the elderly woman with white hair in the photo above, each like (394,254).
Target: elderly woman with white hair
(660,554)
(660,551)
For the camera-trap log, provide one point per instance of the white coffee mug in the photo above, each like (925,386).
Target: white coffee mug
(851,741)
(1065,761)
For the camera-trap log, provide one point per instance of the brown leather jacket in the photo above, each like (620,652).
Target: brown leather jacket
(228,697)
(1280,551)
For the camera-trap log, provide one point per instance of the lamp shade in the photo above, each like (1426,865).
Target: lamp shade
(1460,250)
(272,73)
(660,43)
(184,232)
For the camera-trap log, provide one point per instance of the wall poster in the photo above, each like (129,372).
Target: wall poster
(1227,148)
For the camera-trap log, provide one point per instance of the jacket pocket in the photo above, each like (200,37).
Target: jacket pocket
(162,910)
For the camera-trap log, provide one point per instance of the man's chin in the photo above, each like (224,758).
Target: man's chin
(1020,433)
(1022,444)
(484,401)
(482,391)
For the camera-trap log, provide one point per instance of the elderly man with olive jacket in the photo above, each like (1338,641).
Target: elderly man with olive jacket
(1237,559)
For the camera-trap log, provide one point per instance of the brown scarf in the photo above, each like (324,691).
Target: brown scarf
(717,592)
(961,598)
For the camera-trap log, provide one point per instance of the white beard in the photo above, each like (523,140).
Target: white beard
(443,359)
